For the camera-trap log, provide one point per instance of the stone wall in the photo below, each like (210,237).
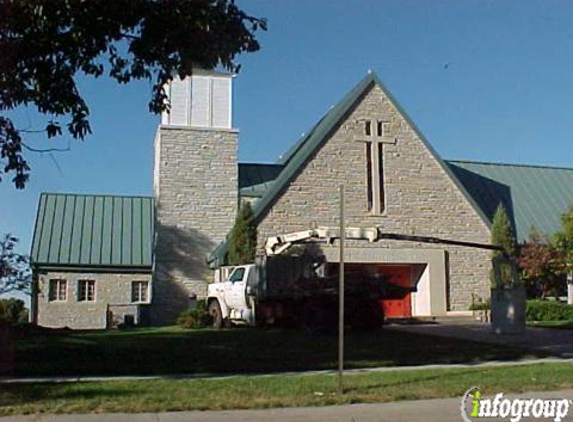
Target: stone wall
(421,199)
(196,195)
(110,289)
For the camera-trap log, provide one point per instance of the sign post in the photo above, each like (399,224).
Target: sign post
(341,294)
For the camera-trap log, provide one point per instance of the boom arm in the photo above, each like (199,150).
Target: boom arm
(276,245)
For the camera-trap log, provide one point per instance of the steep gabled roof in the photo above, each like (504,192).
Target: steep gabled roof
(93,232)
(304,149)
(301,152)
(533,196)
(256,178)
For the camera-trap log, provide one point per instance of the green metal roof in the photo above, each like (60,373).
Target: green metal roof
(256,178)
(301,152)
(533,196)
(93,231)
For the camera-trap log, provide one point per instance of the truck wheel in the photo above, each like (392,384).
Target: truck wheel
(215,312)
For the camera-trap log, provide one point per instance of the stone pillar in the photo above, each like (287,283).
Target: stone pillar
(196,197)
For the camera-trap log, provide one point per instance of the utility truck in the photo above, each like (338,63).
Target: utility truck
(295,285)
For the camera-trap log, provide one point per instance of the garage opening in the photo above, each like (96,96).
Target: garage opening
(400,282)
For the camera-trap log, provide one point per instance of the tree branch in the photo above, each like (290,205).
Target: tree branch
(29,148)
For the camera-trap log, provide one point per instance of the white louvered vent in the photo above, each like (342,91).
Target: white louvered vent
(221,102)
(201,100)
(179,102)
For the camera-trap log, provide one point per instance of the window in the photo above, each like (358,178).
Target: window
(58,290)
(237,275)
(380,128)
(375,131)
(381,196)
(86,291)
(140,291)
(369,193)
(368,128)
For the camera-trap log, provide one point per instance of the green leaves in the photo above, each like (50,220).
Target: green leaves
(15,271)
(45,45)
(502,235)
(564,242)
(243,241)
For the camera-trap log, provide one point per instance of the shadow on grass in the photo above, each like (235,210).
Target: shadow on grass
(250,351)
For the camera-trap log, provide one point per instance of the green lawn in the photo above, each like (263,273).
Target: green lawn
(172,350)
(275,391)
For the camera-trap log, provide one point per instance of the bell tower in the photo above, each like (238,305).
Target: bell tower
(195,187)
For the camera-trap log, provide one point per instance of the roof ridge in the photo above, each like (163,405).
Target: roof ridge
(491,163)
(109,195)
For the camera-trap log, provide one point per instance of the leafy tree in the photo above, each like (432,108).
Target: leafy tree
(564,242)
(564,245)
(243,241)
(45,45)
(13,312)
(15,271)
(502,235)
(538,260)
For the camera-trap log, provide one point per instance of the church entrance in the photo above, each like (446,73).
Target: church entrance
(397,285)
(398,301)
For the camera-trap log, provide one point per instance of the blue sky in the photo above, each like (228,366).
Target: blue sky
(484,80)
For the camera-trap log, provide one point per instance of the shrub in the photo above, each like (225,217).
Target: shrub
(502,235)
(541,310)
(243,240)
(197,317)
(480,305)
(13,312)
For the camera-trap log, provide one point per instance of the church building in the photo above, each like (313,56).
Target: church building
(102,260)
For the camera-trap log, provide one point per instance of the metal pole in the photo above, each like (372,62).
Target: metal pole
(341,295)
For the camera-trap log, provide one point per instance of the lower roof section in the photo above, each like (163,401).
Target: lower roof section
(93,232)
(533,196)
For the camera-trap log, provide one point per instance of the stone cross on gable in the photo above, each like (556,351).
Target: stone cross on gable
(375,133)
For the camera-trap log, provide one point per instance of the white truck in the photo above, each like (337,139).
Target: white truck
(301,288)
(293,288)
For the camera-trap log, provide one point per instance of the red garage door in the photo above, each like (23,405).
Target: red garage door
(398,305)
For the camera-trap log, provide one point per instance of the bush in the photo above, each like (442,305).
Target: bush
(480,305)
(541,310)
(13,312)
(197,317)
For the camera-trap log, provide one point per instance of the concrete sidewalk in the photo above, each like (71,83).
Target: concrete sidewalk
(442,410)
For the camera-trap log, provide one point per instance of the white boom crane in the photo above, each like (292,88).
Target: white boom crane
(276,245)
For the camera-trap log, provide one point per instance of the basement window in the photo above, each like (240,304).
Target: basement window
(58,290)
(86,291)
(140,292)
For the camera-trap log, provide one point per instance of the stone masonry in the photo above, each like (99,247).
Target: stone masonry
(421,198)
(111,289)
(196,196)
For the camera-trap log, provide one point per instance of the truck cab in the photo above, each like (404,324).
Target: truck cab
(228,300)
